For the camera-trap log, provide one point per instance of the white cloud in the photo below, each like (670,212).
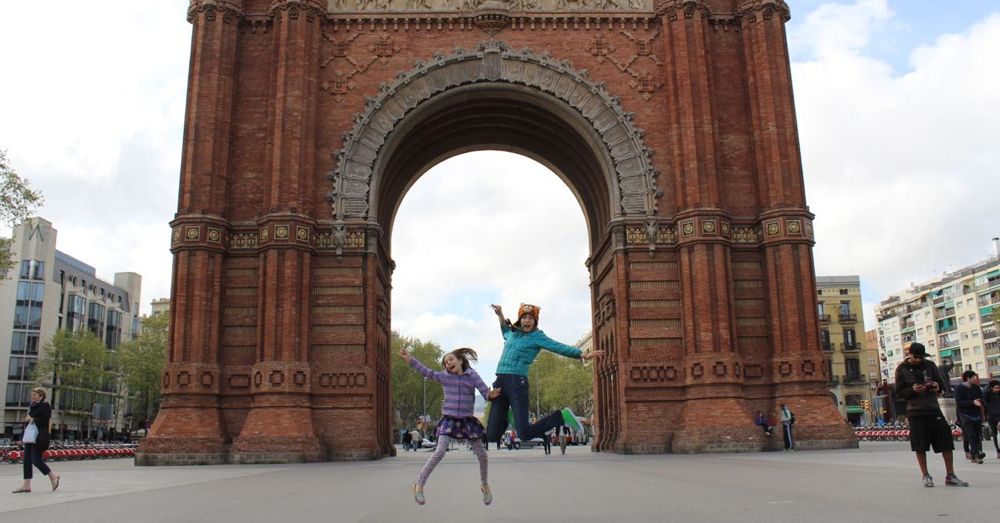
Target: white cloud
(900,168)
(482,228)
(93,110)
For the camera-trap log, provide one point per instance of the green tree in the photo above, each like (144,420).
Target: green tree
(557,382)
(17,201)
(78,368)
(140,364)
(408,387)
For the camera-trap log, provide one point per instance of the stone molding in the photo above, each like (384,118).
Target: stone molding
(572,6)
(493,62)
(211,8)
(752,10)
(766,231)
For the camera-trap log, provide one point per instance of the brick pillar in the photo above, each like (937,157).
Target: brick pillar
(279,426)
(189,428)
(797,367)
(714,406)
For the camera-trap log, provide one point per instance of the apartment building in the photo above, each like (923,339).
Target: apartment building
(47,291)
(952,316)
(852,365)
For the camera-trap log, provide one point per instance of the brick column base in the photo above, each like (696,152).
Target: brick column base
(185,435)
(278,434)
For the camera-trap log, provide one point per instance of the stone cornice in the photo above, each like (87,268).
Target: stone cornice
(754,10)
(311,8)
(211,8)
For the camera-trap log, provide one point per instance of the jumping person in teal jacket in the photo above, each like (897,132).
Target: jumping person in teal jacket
(522,343)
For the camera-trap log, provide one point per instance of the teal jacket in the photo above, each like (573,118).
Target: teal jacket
(521,348)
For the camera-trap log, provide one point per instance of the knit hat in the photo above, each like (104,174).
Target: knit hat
(527,308)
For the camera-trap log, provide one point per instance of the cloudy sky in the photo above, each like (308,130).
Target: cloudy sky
(898,110)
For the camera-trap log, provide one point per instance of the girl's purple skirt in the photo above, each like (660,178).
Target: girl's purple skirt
(460,428)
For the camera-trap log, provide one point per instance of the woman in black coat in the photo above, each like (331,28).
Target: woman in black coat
(38,417)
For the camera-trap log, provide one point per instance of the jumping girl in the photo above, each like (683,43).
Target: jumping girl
(460,382)
(522,342)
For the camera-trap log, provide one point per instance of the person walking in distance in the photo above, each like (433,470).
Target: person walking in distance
(969,403)
(36,441)
(460,382)
(992,402)
(522,343)
(919,383)
(787,424)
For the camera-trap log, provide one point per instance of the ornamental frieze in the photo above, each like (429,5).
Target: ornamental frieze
(346,6)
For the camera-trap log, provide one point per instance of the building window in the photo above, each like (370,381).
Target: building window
(843,292)
(850,342)
(32,270)
(95,319)
(75,312)
(853,368)
(113,333)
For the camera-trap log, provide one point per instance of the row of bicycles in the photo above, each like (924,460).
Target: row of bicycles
(72,452)
(900,432)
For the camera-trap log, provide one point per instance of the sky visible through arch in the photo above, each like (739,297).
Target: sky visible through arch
(897,104)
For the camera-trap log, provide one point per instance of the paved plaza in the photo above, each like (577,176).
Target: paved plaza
(878,482)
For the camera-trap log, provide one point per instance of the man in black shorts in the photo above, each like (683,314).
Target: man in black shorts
(919,383)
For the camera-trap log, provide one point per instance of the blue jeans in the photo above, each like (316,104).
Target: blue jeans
(514,395)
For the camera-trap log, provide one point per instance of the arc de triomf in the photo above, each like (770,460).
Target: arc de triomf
(671,120)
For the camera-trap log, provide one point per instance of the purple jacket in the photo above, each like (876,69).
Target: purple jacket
(459,391)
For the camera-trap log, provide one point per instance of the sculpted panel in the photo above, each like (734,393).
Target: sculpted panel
(342,6)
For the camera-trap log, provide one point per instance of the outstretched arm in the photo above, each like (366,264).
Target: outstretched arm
(420,368)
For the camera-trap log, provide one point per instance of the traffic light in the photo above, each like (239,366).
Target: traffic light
(867,404)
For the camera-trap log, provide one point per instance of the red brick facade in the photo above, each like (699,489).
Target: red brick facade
(306,123)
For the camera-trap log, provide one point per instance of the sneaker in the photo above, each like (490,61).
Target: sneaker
(928,481)
(978,461)
(952,481)
(487,495)
(968,456)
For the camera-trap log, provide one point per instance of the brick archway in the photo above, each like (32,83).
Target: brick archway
(584,108)
(702,277)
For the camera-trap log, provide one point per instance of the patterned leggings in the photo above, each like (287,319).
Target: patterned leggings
(442,447)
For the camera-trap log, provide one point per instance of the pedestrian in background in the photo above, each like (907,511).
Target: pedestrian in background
(919,383)
(992,402)
(787,422)
(969,404)
(36,441)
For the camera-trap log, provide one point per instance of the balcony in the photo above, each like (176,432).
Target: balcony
(943,313)
(827,346)
(907,325)
(850,347)
(855,380)
(992,348)
(833,381)
(848,318)
(824,318)
(947,342)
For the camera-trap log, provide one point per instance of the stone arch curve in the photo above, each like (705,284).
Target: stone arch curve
(633,187)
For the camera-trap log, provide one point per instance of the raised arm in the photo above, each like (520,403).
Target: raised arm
(420,368)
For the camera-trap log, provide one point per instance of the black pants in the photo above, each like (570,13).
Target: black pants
(786,431)
(33,456)
(972,432)
(993,429)
(514,395)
